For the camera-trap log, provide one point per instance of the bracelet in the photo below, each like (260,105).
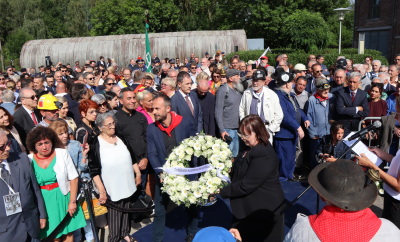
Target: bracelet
(102,192)
(72,201)
(84,157)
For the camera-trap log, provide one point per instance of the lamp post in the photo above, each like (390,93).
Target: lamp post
(341,12)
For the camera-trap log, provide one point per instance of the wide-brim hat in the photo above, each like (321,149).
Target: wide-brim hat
(278,71)
(343,184)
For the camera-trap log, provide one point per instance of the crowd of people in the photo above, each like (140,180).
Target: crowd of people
(118,125)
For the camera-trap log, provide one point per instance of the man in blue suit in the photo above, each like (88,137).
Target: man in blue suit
(17,177)
(351,104)
(162,136)
(187,104)
(286,139)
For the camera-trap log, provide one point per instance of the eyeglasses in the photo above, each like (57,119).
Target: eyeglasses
(3,147)
(217,77)
(109,84)
(91,78)
(103,104)
(193,67)
(109,125)
(243,136)
(2,79)
(318,71)
(64,71)
(33,97)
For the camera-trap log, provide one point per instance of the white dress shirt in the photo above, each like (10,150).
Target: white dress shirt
(184,97)
(30,113)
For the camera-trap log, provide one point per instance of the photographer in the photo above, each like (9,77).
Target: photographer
(331,146)
(391,179)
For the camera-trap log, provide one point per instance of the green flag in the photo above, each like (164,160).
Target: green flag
(148,51)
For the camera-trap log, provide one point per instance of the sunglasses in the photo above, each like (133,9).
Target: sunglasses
(91,78)
(103,104)
(33,97)
(109,84)
(318,71)
(3,148)
(2,79)
(192,67)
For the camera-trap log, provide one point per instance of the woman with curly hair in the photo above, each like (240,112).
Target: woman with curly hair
(58,179)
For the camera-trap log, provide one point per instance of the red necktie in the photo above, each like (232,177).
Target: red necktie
(34,118)
(353,96)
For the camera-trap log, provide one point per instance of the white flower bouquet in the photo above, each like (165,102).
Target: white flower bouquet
(183,191)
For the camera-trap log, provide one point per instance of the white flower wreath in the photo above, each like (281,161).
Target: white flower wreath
(183,191)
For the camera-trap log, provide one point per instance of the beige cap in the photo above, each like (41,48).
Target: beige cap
(300,67)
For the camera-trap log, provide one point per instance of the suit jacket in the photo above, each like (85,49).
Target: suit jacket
(310,87)
(255,180)
(390,89)
(346,109)
(73,109)
(179,105)
(155,142)
(23,122)
(15,227)
(208,107)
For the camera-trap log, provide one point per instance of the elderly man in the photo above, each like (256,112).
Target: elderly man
(376,64)
(27,116)
(338,80)
(309,68)
(341,185)
(61,89)
(173,74)
(300,70)
(365,82)
(228,99)
(49,106)
(8,98)
(165,70)
(351,104)
(207,102)
(128,80)
(387,88)
(185,104)
(394,72)
(264,61)
(58,77)
(262,101)
(284,64)
(23,212)
(320,111)
(89,80)
(316,73)
(286,139)
(204,66)
(383,68)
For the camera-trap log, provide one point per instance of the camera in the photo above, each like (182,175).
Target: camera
(48,61)
(12,62)
(228,138)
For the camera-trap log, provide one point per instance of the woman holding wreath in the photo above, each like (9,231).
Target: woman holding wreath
(255,192)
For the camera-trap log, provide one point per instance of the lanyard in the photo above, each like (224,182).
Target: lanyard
(7,184)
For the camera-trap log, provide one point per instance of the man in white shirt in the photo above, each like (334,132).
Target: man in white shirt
(193,73)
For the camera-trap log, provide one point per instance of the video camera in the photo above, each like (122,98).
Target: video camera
(48,61)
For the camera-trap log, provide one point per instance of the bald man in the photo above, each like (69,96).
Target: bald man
(207,103)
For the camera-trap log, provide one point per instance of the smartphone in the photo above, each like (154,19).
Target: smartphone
(254,66)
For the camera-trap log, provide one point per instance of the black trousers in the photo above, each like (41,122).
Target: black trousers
(269,229)
(391,209)
(119,223)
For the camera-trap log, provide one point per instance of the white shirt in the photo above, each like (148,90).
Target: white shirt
(61,94)
(184,97)
(394,172)
(30,113)
(116,169)
(259,96)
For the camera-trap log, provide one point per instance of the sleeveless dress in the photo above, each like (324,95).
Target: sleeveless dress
(56,203)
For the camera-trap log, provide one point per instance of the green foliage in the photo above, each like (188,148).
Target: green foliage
(299,56)
(305,30)
(15,42)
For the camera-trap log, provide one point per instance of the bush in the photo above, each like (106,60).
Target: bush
(300,56)
(14,43)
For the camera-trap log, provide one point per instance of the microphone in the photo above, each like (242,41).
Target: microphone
(375,125)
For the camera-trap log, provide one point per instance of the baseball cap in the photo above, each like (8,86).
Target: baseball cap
(207,53)
(264,57)
(300,67)
(216,234)
(322,84)
(232,72)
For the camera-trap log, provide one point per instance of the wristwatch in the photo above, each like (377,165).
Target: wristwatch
(72,201)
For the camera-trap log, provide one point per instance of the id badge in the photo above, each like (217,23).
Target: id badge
(12,204)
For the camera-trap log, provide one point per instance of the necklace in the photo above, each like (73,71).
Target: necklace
(44,157)
(112,140)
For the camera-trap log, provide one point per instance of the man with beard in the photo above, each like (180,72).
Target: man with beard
(264,61)
(262,101)
(228,99)
(168,130)
(48,106)
(285,140)
(207,102)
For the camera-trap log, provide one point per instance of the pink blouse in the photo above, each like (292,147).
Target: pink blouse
(142,110)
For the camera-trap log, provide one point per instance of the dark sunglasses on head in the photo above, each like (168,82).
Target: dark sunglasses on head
(3,148)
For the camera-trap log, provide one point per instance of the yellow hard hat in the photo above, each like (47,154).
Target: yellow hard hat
(49,102)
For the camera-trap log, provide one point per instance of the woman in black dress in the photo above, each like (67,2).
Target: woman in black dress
(255,192)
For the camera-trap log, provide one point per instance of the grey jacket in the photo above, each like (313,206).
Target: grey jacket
(15,227)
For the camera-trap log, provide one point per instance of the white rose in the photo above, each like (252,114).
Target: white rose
(203,189)
(189,151)
(381,191)
(209,182)
(174,163)
(197,194)
(197,153)
(195,185)
(205,196)
(192,200)
(220,166)
(213,159)
(217,180)
(178,151)
(184,193)
(209,138)
(187,187)
(188,157)
(197,146)
(172,156)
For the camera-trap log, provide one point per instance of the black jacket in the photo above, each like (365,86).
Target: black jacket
(73,107)
(208,106)
(23,122)
(255,190)
(92,133)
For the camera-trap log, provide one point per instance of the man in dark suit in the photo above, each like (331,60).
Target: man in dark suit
(207,103)
(186,104)
(101,62)
(16,171)
(162,136)
(316,73)
(351,104)
(27,116)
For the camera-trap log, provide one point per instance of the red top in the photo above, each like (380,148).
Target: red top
(376,109)
(334,224)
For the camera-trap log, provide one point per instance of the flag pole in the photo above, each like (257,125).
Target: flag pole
(148,51)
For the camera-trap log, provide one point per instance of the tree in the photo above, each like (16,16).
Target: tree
(305,30)
(75,19)
(15,41)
